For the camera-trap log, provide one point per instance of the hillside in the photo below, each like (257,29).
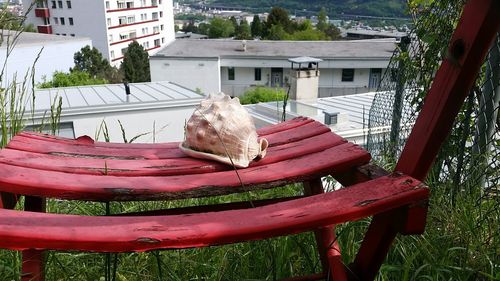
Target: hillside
(381,8)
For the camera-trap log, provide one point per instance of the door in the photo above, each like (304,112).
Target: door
(276,77)
(375,76)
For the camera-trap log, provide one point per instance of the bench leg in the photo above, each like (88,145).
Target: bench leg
(328,247)
(379,237)
(33,260)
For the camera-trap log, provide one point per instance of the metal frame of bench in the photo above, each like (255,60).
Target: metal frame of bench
(397,202)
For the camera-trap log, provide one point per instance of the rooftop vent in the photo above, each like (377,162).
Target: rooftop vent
(334,118)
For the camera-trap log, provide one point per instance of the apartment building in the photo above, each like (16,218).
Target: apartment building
(112,25)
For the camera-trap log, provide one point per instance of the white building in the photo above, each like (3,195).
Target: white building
(111,25)
(233,66)
(155,111)
(347,116)
(55,54)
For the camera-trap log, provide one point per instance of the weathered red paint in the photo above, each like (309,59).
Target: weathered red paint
(25,230)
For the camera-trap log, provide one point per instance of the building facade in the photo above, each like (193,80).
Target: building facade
(111,25)
(232,66)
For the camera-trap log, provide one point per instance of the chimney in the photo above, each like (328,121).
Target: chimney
(127,90)
(304,78)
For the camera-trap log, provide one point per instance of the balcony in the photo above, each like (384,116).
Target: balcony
(47,29)
(42,12)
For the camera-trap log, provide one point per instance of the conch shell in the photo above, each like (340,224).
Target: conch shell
(221,129)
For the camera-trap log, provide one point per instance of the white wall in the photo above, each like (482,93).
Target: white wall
(55,56)
(168,123)
(202,73)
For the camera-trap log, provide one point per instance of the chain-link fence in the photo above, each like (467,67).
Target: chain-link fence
(469,161)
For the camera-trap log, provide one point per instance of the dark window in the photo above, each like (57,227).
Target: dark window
(70,21)
(258,74)
(157,42)
(230,73)
(59,3)
(68,3)
(347,75)
(62,21)
(54,5)
(161,14)
(72,35)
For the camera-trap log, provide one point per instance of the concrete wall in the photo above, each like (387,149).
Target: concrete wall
(55,56)
(202,73)
(244,79)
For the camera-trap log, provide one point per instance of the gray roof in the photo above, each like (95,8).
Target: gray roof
(108,96)
(31,38)
(304,60)
(210,48)
(377,33)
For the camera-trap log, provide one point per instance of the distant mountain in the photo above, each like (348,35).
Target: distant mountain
(379,8)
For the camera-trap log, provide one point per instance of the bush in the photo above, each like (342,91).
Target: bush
(74,78)
(262,94)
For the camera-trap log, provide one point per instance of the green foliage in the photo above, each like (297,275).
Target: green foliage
(243,31)
(277,32)
(74,78)
(278,16)
(382,8)
(90,60)
(257,27)
(135,65)
(262,94)
(220,28)
(322,24)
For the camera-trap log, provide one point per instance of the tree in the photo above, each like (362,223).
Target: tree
(135,65)
(277,32)
(234,22)
(256,27)
(278,16)
(90,60)
(74,78)
(322,24)
(220,28)
(243,31)
(333,32)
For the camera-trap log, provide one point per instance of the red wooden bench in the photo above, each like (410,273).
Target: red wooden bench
(301,150)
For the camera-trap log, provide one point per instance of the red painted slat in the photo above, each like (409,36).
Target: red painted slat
(25,230)
(23,180)
(161,167)
(68,148)
(288,125)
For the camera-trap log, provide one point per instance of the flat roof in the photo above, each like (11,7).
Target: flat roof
(32,38)
(101,98)
(210,48)
(381,33)
(304,60)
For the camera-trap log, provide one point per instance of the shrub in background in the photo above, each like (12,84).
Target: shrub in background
(262,94)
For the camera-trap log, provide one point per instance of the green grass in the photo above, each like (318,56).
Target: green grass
(453,247)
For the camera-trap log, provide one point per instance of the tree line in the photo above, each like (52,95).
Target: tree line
(277,26)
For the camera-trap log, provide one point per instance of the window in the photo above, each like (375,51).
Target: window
(64,34)
(163,40)
(130,4)
(72,35)
(109,21)
(62,21)
(161,14)
(161,27)
(120,4)
(145,30)
(144,17)
(154,3)
(122,20)
(145,45)
(124,50)
(68,3)
(54,5)
(110,38)
(56,20)
(156,29)
(130,19)
(70,21)
(112,54)
(132,34)
(107,4)
(154,15)
(257,74)
(157,42)
(159,2)
(123,36)
(347,75)
(230,73)
(59,3)
(143,3)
